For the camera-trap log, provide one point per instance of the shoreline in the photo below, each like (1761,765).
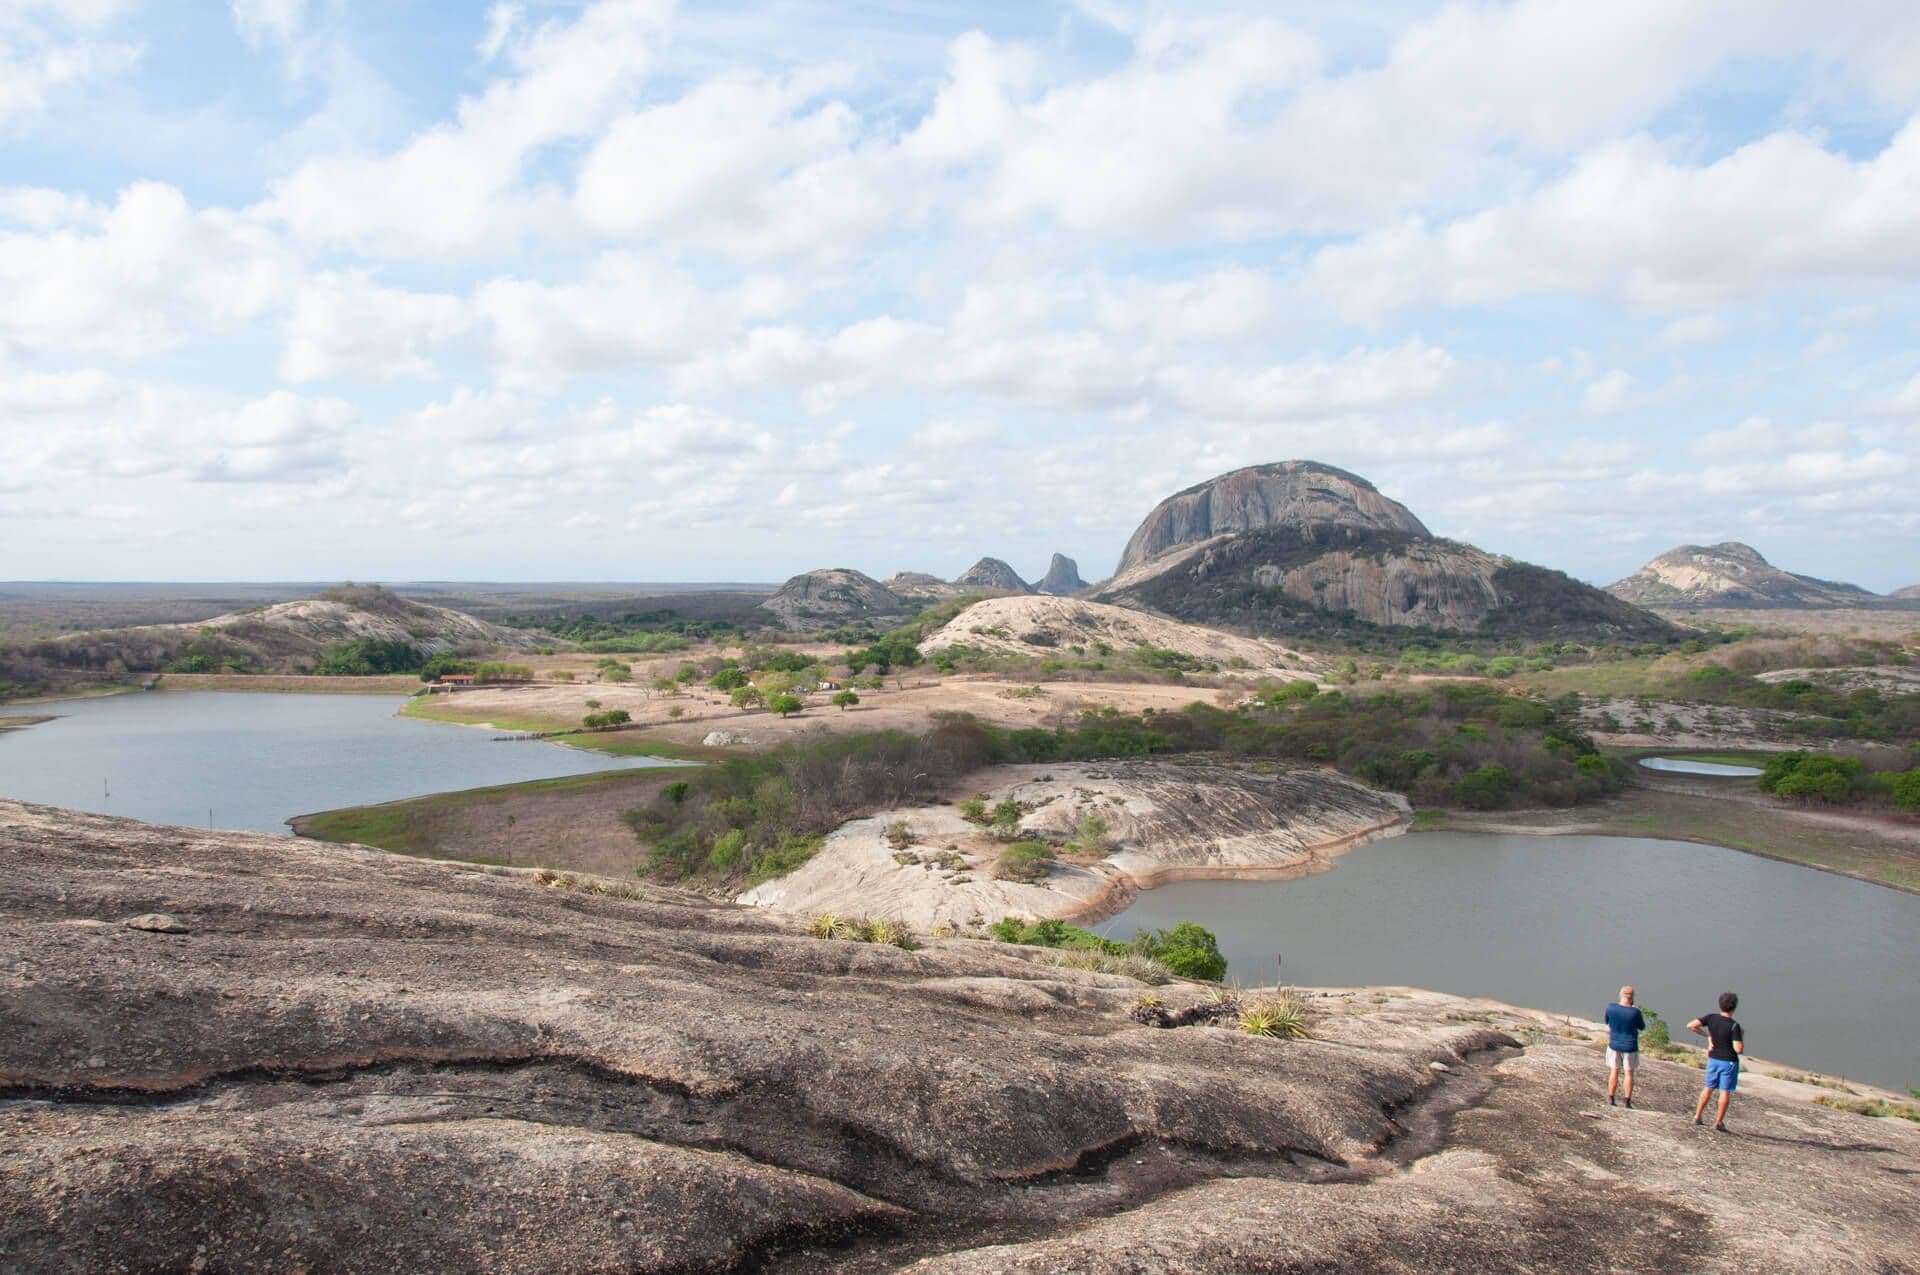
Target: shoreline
(1125,886)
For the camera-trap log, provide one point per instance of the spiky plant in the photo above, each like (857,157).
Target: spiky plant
(826,926)
(1279,1015)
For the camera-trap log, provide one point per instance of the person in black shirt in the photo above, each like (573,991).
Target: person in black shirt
(1726,1042)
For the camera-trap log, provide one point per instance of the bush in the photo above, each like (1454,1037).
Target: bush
(1024,861)
(497,672)
(1191,951)
(612,717)
(785,705)
(1483,789)
(1006,820)
(973,810)
(746,697)
(368,657)
(728,679)
(844,700)
(1810,776)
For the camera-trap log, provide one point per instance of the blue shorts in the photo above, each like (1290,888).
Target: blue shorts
(1722,1074)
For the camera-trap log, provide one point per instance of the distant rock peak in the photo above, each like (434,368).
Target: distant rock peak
(1729,574)
(992,573)
(1303,495)
(1062,577)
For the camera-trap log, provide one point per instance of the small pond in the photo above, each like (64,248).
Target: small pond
(1682,766)
(252,761)
(1825,966)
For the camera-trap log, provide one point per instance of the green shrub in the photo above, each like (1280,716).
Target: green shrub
(1191,951)
(973,810)
(730,678)
(1024,861)
(611,717)
(844,700)
(785,705)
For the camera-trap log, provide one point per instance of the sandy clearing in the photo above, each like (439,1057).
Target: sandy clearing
(911,705)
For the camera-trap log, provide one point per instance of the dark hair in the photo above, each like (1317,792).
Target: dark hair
(1728,1002)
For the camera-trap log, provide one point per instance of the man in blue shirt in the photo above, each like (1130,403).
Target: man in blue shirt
(1624,1025)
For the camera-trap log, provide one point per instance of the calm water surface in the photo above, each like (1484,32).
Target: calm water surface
(256,760)
(1678,767)
(1827,968)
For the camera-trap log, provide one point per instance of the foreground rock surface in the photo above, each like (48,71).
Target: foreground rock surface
(355,1062)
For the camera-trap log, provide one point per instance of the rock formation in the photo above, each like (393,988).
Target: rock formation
(350,1061)
(284,637)
(1062,578)
(1303,495)
(1030,625)
(1910,593)
(1166,821)
(922,587)
(1729,575)
(992,573)
(1304,546)
(833,595)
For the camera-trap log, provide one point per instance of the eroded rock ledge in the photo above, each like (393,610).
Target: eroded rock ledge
(341,1060)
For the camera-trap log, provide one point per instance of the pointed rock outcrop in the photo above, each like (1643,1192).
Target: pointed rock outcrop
(1062,578)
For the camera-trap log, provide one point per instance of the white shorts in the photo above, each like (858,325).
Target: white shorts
(1626,1062)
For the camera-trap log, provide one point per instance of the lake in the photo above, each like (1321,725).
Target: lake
(255,760)
(1825,966)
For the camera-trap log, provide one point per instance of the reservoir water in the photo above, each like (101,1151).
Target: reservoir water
(257,759)
(1826,967)
(1681,766)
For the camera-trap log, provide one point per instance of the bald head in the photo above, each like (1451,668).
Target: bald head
(1626,996)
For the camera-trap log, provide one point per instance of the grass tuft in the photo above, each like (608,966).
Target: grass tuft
(1278,1015)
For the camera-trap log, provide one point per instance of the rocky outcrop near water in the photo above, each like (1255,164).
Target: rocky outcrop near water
(1300,495)
(991,573)
(1730,575)
(1165,821)
(330,1059)
(1062,578)
(284,637)
(834,595)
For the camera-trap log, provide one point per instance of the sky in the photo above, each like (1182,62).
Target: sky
(630,290)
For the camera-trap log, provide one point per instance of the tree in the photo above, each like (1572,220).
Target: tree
(728,679)
(844,700)
(612,717)
(1191,951)
(1483,789)
(784,704)
(746,697)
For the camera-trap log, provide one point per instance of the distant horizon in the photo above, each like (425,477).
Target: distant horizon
(557,289)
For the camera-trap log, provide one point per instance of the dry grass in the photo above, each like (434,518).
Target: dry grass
(1877,1107)
(587,885)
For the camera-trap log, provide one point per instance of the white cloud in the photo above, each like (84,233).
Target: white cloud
(1360,380)
(750,165)
(262,22)
(1693,329)
(135,277)
(456,186)
(48,47)
(1631,222)
(1608,393)
(343,324)
(503,20)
